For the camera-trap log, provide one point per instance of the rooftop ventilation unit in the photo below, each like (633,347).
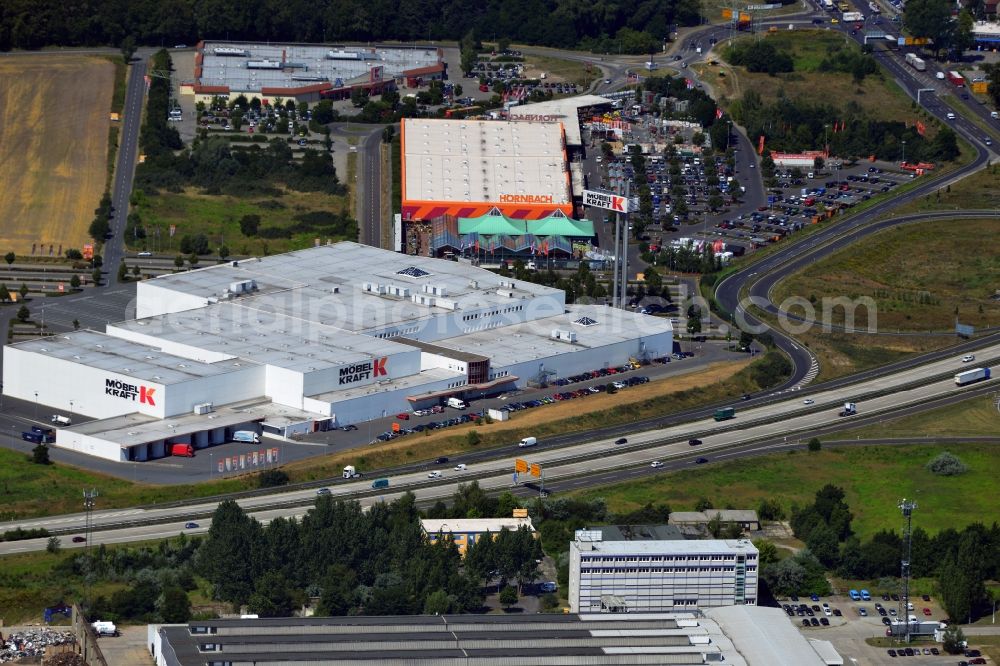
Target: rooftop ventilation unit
(563,335)
(373,288)
(204,408)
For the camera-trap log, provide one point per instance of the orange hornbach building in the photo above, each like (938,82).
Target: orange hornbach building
(465,168)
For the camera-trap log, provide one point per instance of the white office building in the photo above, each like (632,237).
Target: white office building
(639,572)
(309,340)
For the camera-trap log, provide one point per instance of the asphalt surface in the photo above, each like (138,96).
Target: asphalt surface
(756,431)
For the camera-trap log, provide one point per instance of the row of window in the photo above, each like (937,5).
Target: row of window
(457,384)
(502,373)
(661,558)
(647,570)
(492,313)
(397,333)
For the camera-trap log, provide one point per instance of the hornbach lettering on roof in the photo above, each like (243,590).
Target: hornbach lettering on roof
(361,371)
(526,198)
(120,389)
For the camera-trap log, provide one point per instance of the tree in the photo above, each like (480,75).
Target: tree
(272,478)
(703,504)
(193,259)
(249,224)
(128,48)
(388,133)
(694,323)
(815,444)
(74,281)
(122,271)
(223,252)
(770,509)
(825,545)
(99,229)
(954,639)
(23,314)
(229,558)
(95,275)
(76,324)
(473,438)
(23,290)
(963,39)
(767,552)
(174,605)
(359,96)
(784,577)
(947,464)
(930,18)
(437,603)
(508,597)
(4,293)
(136,271)
(40,455)
(273,596)
(52,545)
(179,261)
(9,258)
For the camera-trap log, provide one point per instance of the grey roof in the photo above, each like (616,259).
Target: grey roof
(725,515)
(566,108)
(312,65)
(461,639)
(113,354)
(697,547)
(639,532)
(765,636)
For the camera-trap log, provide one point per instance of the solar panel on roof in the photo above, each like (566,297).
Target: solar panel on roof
(413,271)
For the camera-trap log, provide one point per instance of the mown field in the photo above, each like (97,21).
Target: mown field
(919,276)
(54,119)
(976,417)
(874,479)
(218,218)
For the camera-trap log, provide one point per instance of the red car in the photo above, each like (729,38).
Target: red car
(927,611)
(403,416)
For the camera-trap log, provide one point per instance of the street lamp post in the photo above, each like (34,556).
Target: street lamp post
(36,405)
(904,151)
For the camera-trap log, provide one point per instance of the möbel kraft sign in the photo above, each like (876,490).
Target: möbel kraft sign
(133,392)
(362,371)
(606,201)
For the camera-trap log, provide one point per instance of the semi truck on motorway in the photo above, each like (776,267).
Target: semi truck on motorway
(956,79)
(974,375)
(916,63)
(850,409)
(724,414)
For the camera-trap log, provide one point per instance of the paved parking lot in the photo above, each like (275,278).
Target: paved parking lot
(849,631)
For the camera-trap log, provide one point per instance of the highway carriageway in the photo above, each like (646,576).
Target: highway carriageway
(882,395)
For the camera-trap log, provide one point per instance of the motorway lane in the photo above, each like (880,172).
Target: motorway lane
(564,461)
(562,470)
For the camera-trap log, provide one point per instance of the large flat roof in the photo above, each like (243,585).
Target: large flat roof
(304,65)
(112,354)
(484,161)
(565,110)
(764,636)
(478,525)
(264,337)
(415,381)
(326,285)
(533,339)
(671,546)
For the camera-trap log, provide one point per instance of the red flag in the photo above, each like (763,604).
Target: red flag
(477,246)
(760,145)
(921,128)
(718,113)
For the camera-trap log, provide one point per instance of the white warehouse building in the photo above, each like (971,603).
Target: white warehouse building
(309,340)
(652,568)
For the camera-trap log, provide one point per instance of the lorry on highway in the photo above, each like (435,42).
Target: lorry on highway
(526,442)
(724,414)
(61,420)
(182,450)
(39,435)
(351,473)
(916,63)
(956,79)
(33,437)
(248,436)
(974,375)
(850,409)
(380,483)
(850,17)
(455,403)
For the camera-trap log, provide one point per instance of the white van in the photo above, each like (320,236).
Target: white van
(939,76)
(248,436)
(61,420)
(455,403)
(527,441)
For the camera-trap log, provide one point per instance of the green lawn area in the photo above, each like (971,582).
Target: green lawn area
(218,217)
(874,479)
(560,69)
(842,354)
(877,95)
(980,190)
(920,277)
(975,417)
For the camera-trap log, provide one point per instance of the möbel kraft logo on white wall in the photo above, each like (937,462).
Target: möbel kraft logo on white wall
(120,389)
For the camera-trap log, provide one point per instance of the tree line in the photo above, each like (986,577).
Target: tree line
(616,25)
(960,560)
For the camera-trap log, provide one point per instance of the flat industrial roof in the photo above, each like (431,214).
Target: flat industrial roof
(459,639)
(112,354)
(325,284)
(134,429)
(478,525)
(263,337)
(484,161)
(671,546)
(533,339)
(416,381)
(565,110)
(764,636)
(305,65)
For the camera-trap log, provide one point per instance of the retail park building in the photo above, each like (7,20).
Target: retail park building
(310,340)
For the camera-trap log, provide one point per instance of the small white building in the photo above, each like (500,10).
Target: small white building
(612,572)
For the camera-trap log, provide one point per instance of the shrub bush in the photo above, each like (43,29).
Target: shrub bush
(947,464)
